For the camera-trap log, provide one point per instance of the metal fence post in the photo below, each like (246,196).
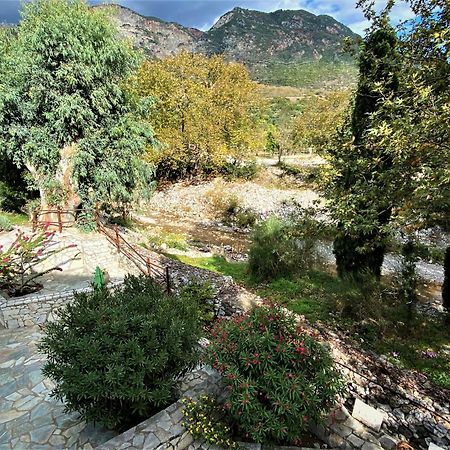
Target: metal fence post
(34,220)
(117,238)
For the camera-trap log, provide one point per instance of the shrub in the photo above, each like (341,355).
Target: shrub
(206,419)
(279,378)
(21,263)
(203,294)
(245,218)
(116,356)
(283,247)
(246,170)
(5,224)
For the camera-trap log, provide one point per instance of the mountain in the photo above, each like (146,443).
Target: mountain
(156,37)
(283,35)
(275,46)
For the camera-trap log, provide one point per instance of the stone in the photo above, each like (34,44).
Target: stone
(355,425)
(388,442)
(42,435)
(57,441)
(433,446)
(369,416)
(370,446)
(336,441)
(249,445)
(151,442)
(355,441)
(341,429)
(185,440)
(161,434)
(138,440)
(10,415)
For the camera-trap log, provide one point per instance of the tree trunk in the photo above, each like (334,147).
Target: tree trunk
(63,175)
(351,262)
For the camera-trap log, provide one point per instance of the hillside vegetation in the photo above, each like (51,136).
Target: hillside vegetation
(293,48)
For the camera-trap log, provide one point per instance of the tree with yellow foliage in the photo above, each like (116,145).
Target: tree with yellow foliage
(322,115)
(206,110)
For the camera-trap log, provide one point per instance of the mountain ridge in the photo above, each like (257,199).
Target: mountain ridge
(249,36)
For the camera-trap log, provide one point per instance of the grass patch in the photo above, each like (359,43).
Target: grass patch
(219,264)
(18,219)
(416,344)
(171,240)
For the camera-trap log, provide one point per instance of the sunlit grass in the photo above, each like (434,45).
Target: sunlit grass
(18,219)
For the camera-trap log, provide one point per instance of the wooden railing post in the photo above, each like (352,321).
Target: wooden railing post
(34,220)
(116,229)
(60,226)
(167,280)
(149,268)
(97,217)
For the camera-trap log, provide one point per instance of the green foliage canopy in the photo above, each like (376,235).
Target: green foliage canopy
(64,112)
(116,357)
(358,186)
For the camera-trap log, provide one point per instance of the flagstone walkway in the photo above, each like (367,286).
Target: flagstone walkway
(29,417)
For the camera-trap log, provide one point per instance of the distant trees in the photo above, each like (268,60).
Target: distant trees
(321,116)
(205,110)
(358,188)
(65,115)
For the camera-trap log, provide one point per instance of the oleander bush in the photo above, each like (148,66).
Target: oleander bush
(117,356)
(22,262)
(280,379)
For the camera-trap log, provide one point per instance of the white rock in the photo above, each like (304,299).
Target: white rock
(433,446)
(369,416)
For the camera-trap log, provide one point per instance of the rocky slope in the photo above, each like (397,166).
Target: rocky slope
(244,35)
(157,38)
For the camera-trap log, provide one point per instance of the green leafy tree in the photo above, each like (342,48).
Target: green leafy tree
(206,111)
(356,187)
(321,116)
(65,115)
(414,125)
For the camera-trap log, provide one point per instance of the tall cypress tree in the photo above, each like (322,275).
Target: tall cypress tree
(356,190)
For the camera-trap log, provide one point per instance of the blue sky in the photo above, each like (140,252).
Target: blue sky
(203,13)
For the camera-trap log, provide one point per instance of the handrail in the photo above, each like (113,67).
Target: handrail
(131,252)
(59,213)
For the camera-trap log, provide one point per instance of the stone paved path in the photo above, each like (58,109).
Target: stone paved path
(29,417)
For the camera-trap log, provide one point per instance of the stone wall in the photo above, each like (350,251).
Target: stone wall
(36,309)
(164,430)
